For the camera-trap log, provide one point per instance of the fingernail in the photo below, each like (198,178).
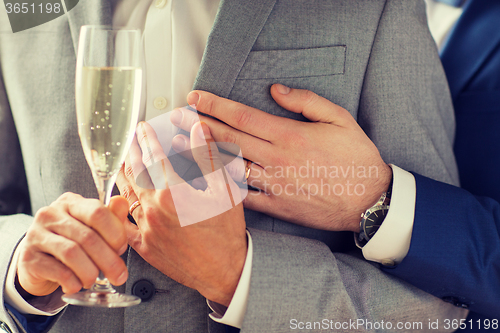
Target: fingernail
(193,98)
(122,278)
(176,117)
(284,90)
(204,131)
(178,143)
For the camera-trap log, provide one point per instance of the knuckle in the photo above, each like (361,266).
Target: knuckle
(89,238)
(141,137)
(309,97)
(65,274)
(229,137)
(127,192)
(148,158)
(99,215)
(65,196)
(208,105)
(44,214)
(70,251)
(129,172)
(243,118)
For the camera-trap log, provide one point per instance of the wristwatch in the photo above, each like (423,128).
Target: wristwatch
(372,219)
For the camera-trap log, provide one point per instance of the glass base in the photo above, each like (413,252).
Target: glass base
(101,299)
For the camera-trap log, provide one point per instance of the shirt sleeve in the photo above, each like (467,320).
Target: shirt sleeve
(391,243)
(234,314)
(49,305)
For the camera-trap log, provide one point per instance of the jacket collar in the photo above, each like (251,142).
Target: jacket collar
(236,27)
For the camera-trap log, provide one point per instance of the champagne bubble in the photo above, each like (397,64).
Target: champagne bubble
(123,109)
(96,113)
(107,118)
(92,128)
(111,86)
(108,153)
(108,103)
(123,100)
(118,143)
(110,126)
(109,94)
(102,120)
(106,112)
(98,127)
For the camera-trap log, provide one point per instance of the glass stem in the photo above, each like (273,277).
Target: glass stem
(105,188)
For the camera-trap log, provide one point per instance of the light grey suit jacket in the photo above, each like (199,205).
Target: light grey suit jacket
(373,57)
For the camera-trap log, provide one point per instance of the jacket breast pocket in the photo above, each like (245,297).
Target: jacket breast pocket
(294,63)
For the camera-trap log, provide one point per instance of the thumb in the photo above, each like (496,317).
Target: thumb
(118,205)
(312,106)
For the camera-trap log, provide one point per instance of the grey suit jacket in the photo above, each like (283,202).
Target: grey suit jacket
(375,58)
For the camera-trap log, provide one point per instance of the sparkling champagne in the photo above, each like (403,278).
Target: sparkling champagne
(107,112)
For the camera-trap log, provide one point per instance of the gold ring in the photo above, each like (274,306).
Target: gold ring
(133,207)
(248,169)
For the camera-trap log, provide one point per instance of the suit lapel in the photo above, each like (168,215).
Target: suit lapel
(468,48)
(235,30)
(96,12)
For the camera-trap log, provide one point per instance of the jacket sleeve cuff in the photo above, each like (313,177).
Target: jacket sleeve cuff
(391,243)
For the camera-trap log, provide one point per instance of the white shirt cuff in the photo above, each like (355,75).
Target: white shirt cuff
(391,243)
(49,305)
(235,313)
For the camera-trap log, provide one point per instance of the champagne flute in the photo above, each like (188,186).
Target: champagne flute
(108,89)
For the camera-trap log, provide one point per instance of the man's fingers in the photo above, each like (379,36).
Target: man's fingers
(84,251)
(69,253)
(160,169)
(251,147)
(244,118)
(152,150)
(47,274)
(118,205)
(96,216)
(312,106)
(134,169)
(235,166)
(205,151)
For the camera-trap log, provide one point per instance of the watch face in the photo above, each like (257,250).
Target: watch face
(374,220)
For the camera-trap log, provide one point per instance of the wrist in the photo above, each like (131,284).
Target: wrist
(227,282)
(373,192)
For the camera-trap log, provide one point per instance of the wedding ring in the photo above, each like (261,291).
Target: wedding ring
(133,207)
(248,169)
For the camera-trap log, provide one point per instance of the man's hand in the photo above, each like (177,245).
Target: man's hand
(70,241)
(195,237)
(321,174)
